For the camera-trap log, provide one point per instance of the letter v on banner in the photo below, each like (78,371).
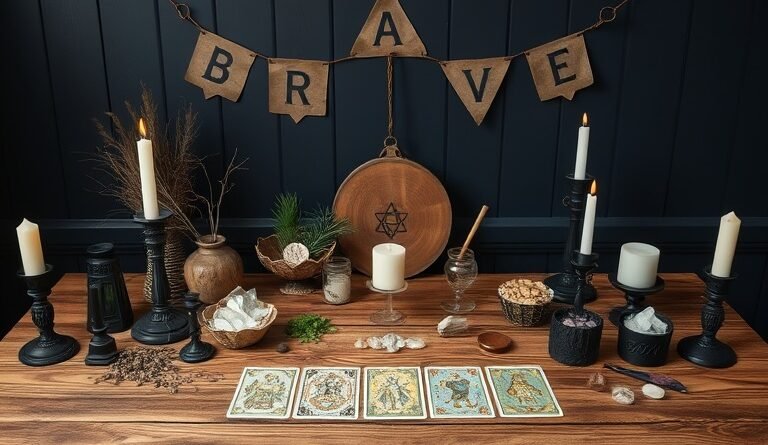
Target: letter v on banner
(387,31)
(298,87)
(476,82)
(219,67)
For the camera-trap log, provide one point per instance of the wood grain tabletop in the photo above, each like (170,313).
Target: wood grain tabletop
(61,403)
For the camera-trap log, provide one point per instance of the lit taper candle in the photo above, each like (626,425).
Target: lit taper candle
(580,170)
(587,232)
(147,171)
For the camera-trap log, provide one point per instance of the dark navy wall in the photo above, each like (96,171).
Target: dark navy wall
(677,110)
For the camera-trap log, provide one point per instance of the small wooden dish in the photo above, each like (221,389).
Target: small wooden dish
(494,342)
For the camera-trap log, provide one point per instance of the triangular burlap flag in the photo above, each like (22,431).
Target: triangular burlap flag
(560,68)
(476,82)
(298,87)
(388,31)
(219,67)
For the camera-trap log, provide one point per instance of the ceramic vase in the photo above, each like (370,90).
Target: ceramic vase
(214,269)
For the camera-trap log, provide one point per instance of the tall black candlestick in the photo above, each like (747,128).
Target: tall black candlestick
(196,350)
(102,350)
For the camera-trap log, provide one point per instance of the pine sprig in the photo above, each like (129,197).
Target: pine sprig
(287,214)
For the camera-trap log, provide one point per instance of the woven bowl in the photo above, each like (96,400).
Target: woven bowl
(234,339)
(271,257)
(526,315)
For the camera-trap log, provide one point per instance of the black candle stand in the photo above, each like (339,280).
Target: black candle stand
(577,345)
(49,347)
(564,284)
(102,350)
(634,296)
(704,349)
(196,350)
(162,324)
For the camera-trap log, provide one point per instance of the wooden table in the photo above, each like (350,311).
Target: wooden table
(61,403)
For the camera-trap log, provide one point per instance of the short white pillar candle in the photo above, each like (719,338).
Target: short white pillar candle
(388,267)
(638,265)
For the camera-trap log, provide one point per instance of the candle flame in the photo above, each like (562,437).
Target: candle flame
(142,128)
(585,120)
(593,190)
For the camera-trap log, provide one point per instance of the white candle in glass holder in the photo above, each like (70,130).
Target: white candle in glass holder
(31,249)
(638,265)
(388,266)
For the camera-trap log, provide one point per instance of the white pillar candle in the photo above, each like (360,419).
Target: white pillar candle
(638,265)
(580,170)
(388,266)
(726,245)
(588,230)
(31,249)
(147,171)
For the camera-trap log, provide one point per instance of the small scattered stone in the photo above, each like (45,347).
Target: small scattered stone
(452,325)
(360,343)
(653,392)
(283,348)
(597,382)
(390,342)
(623,395)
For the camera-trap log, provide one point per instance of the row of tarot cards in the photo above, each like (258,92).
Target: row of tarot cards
(393,393)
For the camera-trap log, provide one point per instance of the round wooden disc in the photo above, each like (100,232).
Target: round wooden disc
(394,200)
(494,342)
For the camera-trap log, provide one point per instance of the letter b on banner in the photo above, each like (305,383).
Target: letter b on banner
(298,87)
(219,67)
(560,68)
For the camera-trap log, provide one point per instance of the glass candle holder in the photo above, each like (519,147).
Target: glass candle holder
(337,280)
(460,273)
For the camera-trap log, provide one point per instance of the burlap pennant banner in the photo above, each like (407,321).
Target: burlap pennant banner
(560,68)
(219,67)
(387,31)
(298,87)
(476,82)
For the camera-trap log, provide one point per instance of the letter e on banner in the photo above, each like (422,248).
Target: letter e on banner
(476,82)
(298,87)
(560,68)
(387,31)
(219,67)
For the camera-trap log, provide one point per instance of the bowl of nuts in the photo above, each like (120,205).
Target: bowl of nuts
(525,302)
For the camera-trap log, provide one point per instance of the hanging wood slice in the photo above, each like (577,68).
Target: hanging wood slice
(393,200)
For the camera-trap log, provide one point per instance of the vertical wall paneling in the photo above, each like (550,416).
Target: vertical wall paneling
(530,126)
(80,94)
(713,77)
(478,30)
(249,127)
(606,47)
(656,37)
(304,32)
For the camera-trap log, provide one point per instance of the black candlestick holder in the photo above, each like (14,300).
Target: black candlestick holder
(564,284)
(635,297)
(196,350)
(574,334)
(49,347)
(704,349)
(162,324)
(102,350)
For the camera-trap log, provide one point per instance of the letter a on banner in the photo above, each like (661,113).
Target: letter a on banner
(219,67)
(298,87)
(387,31)
(476,82)
(560,68)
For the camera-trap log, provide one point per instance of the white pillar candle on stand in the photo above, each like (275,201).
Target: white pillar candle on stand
(638,265)
(31,249)
(147,171)
(588,230)
(726,245)
(580,170)
(388,267)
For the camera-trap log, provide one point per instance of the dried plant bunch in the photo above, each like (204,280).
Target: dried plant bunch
(175,162)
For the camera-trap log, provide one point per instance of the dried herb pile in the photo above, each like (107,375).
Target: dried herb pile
(309,327)
(152,366)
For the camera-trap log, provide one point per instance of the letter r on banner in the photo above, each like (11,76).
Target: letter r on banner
(298,87)
(560,68)
(219,67)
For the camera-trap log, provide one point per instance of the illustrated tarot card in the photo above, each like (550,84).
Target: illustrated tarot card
(394,393)
(264,393)
(328,393)
(457,391)
(522,391)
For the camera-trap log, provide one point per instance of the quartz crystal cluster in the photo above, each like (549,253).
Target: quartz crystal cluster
(242,310)
(646,322)
(391,342)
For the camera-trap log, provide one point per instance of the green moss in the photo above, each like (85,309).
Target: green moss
(309,327)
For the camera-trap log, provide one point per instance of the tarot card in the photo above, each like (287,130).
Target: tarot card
(457,391)
(328,393)
(394,393)
(522,391)
(264,393)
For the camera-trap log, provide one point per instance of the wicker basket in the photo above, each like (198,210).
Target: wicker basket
(526,315)
(234,339)
(270,255)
